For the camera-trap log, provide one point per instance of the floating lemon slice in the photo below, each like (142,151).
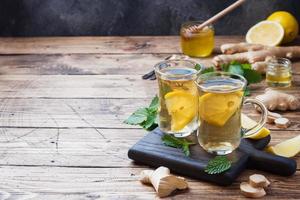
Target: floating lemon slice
(217,108)
(268,33)
(248,123)
(288,148)
(182,106)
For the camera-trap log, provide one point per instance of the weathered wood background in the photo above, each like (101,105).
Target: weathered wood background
(62,103)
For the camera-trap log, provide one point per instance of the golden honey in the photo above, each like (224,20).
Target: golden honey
(279,73)
(197,44)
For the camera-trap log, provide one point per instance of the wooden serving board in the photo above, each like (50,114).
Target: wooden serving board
(151,151)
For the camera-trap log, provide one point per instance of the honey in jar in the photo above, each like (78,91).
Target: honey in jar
(199,43)
(279,73)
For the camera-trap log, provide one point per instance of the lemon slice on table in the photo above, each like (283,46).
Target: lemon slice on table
(287,148)
(217,108)
(248,123)
(268,33)
(182,106)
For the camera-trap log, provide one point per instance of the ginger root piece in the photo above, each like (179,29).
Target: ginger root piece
(260,67)
(272,116)
(275,100)
(163,182)
(258,180)
(252,53)
(282,122)
(252,192)
(232,48)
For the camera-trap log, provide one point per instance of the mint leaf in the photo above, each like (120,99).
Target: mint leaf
(150,121)
(174,142)
(154,104)
(247,92)
(197,67)
(171,141)
(145,117)
(207,70)
(236,69)
(252,76)
(137,117)
(218,165)
(246,66)
(186,150)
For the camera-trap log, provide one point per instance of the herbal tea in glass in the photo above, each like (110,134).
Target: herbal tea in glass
(178,97)
(220,103)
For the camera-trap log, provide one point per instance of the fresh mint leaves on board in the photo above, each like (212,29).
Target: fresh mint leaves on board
(145,117)
(218,165)
(180,143)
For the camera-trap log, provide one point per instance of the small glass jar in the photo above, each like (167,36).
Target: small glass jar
(197,43)
(279,73)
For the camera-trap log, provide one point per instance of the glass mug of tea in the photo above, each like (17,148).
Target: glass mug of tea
(178,96)
(220,103)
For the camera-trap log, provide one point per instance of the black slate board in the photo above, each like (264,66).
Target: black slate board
(151,151)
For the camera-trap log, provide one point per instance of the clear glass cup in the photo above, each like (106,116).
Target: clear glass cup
(221,98)
(178,96)
(279,73)
(197,43)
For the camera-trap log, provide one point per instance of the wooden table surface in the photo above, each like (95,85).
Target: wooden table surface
(62,103)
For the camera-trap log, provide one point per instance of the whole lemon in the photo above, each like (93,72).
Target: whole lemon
(289,24)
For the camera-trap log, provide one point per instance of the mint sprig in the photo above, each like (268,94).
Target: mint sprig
(244,70)
(218,165)
(180,143)
(145,117)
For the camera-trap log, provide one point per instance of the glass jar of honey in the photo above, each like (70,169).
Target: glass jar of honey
(197,43)
(279,73)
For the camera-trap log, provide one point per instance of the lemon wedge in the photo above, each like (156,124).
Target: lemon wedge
(217,108)
(248,123)
(268,33)
(288,148)
(182,106)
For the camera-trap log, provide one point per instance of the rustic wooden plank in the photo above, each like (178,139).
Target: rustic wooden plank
(83,64)
(89,86)
(84,86)
(89,64)
(84,113)
(89,147)
(103,183)
(104,45)
(85,147)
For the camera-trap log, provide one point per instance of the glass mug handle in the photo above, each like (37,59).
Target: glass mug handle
(262,121)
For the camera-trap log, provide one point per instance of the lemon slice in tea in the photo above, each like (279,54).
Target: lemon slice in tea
(248,123)
(217,108)
(182,106)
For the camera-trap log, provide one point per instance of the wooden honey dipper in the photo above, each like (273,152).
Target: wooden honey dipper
(196,28)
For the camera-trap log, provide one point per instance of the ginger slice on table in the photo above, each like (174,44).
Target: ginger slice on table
(163,182)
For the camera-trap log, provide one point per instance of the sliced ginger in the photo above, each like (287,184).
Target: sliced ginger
(163,182)
(288,148)
(258,180)
(252,192)
(255,187)
(182,106)
(217,108)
